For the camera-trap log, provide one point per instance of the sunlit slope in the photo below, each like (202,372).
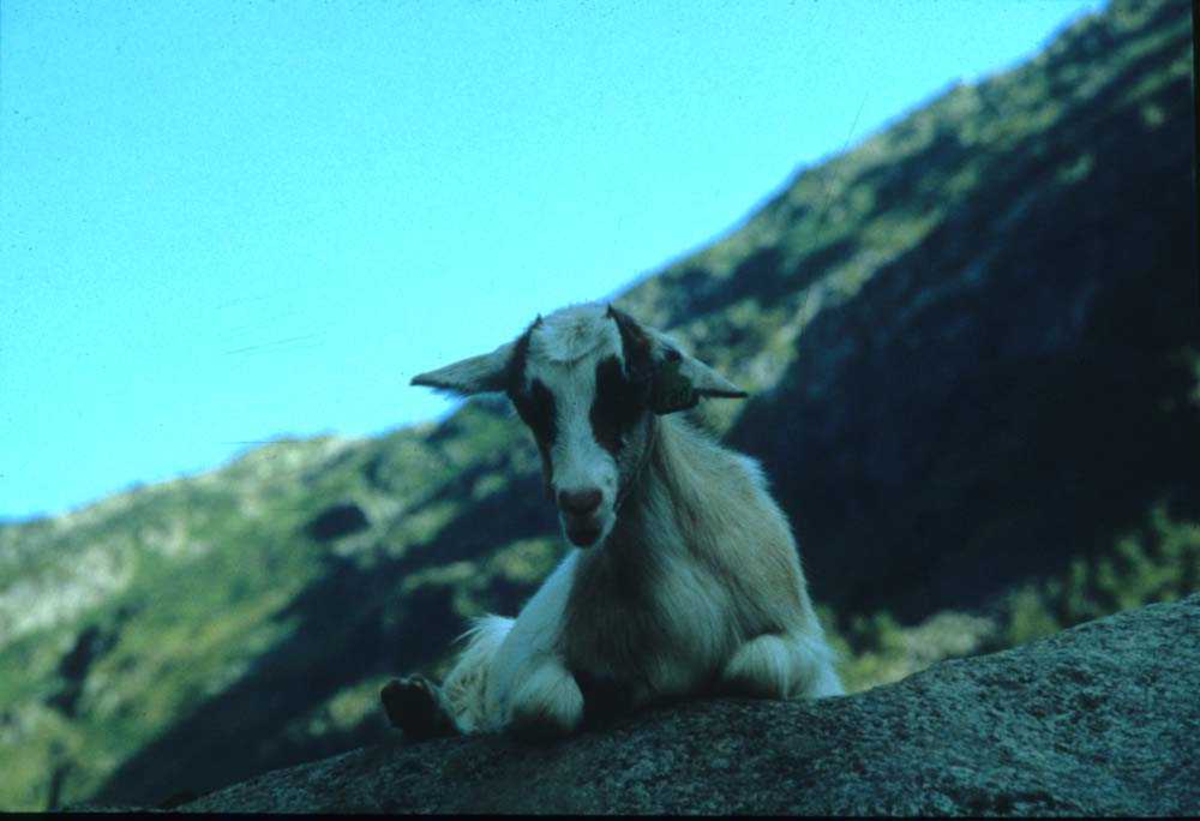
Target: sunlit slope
(972,342)
(239,601)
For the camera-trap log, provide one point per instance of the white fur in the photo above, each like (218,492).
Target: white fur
(573,333)
(465,692)
(695,587)
(563,354)
(534,642)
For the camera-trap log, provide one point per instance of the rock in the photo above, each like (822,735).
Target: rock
(1102,719)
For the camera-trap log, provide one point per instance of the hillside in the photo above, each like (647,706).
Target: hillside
(974,351)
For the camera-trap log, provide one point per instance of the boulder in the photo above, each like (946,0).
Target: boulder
(1102,719)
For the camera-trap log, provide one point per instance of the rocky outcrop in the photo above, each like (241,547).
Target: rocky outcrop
(1101,719)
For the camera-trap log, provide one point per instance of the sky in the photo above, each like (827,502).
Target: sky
(226,222)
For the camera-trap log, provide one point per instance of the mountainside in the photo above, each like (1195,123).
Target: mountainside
(974,347)
(1016,379)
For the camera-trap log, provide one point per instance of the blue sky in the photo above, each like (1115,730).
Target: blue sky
(225,222)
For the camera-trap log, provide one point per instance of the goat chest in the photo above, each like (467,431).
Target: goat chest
(655,622)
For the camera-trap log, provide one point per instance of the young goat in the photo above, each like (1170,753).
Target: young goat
(685,578)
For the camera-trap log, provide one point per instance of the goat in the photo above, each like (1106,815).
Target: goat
(684,578)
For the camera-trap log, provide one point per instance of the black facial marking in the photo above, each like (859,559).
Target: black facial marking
(536,409)
(514,376)
(619,404)
(635,344)
(535,406)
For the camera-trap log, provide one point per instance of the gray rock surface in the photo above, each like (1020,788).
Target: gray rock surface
(1100,719)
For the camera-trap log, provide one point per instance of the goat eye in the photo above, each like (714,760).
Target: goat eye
(621,399)
(536,409)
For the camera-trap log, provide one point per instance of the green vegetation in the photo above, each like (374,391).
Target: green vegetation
(1159,562)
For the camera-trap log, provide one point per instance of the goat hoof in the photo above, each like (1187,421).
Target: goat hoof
(412,706)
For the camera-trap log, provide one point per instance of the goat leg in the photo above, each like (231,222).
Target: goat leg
(412,705)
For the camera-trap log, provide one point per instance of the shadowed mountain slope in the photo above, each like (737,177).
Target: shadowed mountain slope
(1018,379)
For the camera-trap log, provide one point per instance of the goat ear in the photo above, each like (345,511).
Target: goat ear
(485,373)
(681,381)
(678,381)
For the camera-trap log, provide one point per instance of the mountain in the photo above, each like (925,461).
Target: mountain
(974,351)
(1015,378)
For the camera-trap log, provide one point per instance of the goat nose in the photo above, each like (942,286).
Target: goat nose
(579,503)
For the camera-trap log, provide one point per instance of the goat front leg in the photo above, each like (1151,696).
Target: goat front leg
(535,694)
(782,666)
(547,703)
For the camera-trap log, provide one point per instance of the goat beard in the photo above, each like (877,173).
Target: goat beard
(583,534)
